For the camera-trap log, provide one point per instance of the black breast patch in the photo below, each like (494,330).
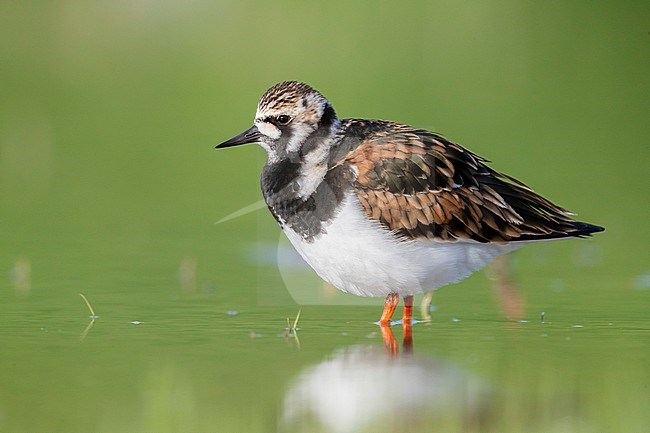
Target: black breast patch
(306,216)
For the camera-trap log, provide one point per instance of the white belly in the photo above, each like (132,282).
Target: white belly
(358,256)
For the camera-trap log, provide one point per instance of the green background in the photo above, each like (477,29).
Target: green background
(109,186)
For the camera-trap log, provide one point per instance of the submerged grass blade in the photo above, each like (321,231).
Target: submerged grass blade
(87,330)
(93,316)
(295,323)
(90,307)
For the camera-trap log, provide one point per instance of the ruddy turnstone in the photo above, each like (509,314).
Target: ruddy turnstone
(378,208)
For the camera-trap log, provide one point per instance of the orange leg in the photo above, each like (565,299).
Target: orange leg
(390,342)
(390,303)
(407,324)
(407,344)
(408,310)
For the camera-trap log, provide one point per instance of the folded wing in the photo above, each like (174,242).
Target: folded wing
(420,185)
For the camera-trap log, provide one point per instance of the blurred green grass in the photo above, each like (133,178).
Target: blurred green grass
(110,110)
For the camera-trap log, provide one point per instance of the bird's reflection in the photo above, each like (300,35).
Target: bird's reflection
(390,342)
(366,388)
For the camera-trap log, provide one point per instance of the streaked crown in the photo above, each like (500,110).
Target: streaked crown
(288,113)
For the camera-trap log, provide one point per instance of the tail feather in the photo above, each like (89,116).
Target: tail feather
(585,229)
(580,230)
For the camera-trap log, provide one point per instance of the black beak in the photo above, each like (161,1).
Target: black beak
(251,135)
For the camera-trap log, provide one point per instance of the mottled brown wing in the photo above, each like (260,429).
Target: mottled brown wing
(420,185)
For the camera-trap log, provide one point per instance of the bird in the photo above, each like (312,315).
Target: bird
(383,209)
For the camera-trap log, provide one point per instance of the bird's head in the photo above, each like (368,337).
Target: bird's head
(288,114)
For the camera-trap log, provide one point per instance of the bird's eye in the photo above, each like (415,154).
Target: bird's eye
(283,119)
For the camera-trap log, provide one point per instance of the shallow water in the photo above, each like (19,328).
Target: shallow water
(162,356)
(109,187)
